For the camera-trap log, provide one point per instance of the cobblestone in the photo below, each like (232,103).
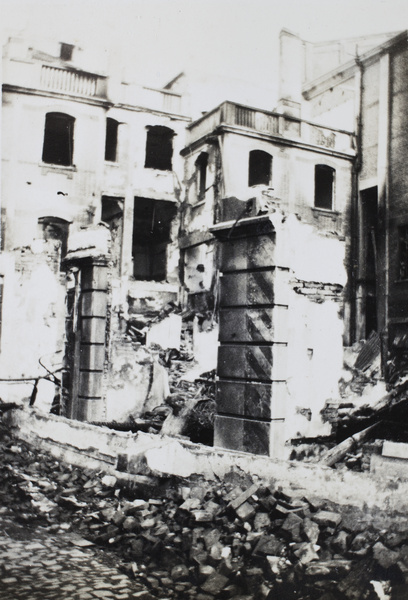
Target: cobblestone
(37,565)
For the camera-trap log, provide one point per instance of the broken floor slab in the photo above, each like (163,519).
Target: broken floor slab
(101,448)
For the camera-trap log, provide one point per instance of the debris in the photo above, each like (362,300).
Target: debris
(338,452)
(184,538)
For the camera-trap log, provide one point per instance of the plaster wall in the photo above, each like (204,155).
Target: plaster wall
(292,172)
(315,327)
(99,448)
(33,312)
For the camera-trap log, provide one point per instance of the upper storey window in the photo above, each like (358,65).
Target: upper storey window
(159,148)
(58,139)
(260,168)
(201,175)
(324,187)
(111,140)
(66,51)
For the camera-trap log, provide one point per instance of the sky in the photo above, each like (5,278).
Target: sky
(156,39)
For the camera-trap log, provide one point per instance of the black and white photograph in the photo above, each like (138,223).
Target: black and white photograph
(204,300)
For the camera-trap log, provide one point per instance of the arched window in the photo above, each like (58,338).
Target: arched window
(324,186)
(111,140)
(58,139)
(159,148)
(201,175)
(54,228)
(260,168)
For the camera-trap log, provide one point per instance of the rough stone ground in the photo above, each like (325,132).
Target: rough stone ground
(77,534)
(37,563)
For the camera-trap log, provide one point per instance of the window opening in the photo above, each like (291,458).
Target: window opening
(403,251)
(112,215)
(66,51)
(159,148)
(151,237)
(111,140)
(369,235)
(201,174)
(54,228)
(260,168)
(58,139)
(324,187)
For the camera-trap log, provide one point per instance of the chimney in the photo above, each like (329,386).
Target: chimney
(291,73)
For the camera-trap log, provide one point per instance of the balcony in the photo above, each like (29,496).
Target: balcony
(43,77)
(70,81)
(67,81)
(246,119)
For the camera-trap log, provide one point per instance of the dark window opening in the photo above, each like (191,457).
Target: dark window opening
(370,314)
(324,187)
(403,251)
(260,168)
(369,213)
(111,140)
(112,215)
(54,228)
(368,267)
(201,174)
(159,148)
(66,51)
(58,139)
(1,303)
(151,236)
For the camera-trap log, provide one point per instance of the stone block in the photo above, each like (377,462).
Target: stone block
(90,384)
(94,278)
(292,527)
(93,330)
(385,466)
(92,356)
(261,400)
(91,410)
(253,324)
(395,450)
(385,557)
(261,362)
(241,434)
(214,584)
(94,303)
(267,287)
(326,518)
(248,253)
(236,502)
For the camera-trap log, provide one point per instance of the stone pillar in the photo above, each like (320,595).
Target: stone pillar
(251,387)
(90,404)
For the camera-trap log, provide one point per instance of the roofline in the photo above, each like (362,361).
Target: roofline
(170,83)
(347,70)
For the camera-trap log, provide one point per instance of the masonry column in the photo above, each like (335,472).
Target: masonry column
(90,405)
(87,327)
(251,387)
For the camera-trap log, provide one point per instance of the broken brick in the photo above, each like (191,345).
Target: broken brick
(327,518)
(245,511)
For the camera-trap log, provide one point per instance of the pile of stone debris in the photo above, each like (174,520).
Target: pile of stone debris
(188,539)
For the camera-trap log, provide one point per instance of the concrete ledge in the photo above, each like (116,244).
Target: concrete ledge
(96,447)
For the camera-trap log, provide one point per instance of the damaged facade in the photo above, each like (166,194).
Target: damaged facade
(272,232)
(91,190)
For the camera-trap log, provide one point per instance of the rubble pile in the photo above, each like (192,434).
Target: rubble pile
(189,410)
(236,539)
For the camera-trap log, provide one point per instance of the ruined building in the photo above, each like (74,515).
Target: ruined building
(363,86)
(280,233)
(91,174)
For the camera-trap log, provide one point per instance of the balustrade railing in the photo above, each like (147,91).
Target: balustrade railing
(69,81)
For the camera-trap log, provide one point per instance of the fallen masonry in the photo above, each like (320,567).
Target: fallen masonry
(238,538)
